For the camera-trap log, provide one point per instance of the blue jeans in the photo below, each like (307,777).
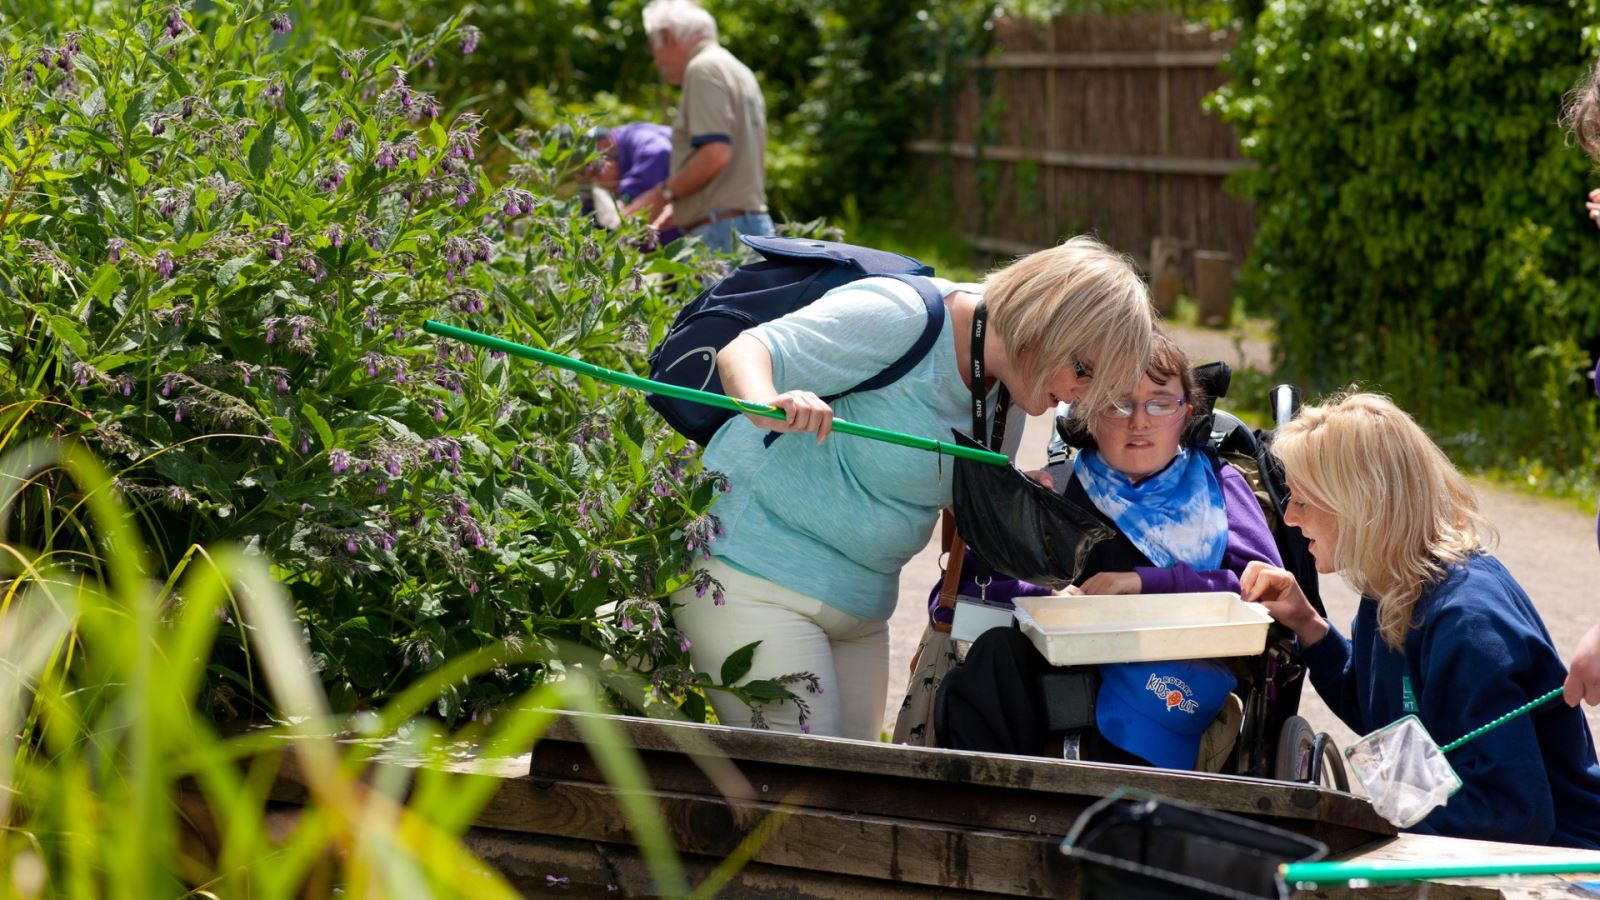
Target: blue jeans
(719,234)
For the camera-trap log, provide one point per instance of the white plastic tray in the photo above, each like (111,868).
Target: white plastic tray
(1072,631)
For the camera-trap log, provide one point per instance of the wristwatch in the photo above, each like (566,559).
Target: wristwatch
(667,194)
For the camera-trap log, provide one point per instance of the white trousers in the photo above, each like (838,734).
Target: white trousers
(849,655)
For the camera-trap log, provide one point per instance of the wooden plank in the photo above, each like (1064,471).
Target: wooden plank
(824,757)
(1116,162)
(877,847)
(1105,59)
(536,865)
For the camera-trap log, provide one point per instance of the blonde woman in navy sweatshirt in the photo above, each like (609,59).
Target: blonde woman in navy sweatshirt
(1443,630)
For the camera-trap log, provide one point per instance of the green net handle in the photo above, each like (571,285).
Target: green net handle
(1522,710)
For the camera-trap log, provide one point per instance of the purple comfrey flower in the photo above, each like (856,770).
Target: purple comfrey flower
(80,371)
(805,727)
(64,61)
(381,488)
(305,443)
(350,546)
(472,588)
(516,202)
(437,412)
(281,24)
(470,36)
(177,411)
(157,125)
(273,92)
(114,249)
(372,318)
(393,466)
(175,24)
(684,643)
(339,460)
(314,268)
(332,177)
(125,382)
(164,264)
(423,106)
(168,205)
(375,363)
(462,140)
(335,236)
(345,128)
(386,158)
(187,108)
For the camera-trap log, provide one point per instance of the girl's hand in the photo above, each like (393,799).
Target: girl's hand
(1042,477)
(1594,207)
(1113,583)
(1276,590)
(803,411)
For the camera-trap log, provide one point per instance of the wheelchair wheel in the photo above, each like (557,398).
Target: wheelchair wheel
(1308,757)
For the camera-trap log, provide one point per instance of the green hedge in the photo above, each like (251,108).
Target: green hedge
(1421,221)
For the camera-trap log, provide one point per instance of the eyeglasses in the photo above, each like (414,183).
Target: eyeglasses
(1155,407)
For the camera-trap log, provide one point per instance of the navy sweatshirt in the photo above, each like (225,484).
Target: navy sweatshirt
(1477,650)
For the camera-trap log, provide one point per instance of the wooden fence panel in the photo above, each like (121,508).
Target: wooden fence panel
(1091,123)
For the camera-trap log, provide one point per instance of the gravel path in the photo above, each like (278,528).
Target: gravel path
(1548,546)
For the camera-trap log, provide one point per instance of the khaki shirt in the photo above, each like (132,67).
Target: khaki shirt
(721,102)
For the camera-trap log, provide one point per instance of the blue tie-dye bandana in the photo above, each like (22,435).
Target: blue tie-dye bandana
(1173,516)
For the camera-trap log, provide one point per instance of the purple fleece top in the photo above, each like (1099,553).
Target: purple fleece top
(644,156)
(1249,538)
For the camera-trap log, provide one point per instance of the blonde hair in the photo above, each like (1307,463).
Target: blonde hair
(1403,512)
(1078,301)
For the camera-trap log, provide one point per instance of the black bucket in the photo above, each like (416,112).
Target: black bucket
(1135,847)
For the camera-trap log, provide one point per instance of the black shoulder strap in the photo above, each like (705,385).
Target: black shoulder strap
(934,301)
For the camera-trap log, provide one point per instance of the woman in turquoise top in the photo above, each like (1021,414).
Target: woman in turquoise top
(814,531)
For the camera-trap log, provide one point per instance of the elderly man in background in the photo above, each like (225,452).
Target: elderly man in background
(719,136)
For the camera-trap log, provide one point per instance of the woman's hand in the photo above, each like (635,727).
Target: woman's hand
(803,411)
(746,370)
(1113,583)
(1583,681)
(1276,589)
(1594,207)
(1042,477)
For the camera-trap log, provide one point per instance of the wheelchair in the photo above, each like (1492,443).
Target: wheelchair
(1274,741)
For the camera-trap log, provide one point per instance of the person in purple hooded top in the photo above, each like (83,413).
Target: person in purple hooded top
(633,159)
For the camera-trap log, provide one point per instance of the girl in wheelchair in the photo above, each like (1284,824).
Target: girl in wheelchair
(1184,521)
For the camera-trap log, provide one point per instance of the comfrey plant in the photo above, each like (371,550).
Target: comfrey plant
(219,235)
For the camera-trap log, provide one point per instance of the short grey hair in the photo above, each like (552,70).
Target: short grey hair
(685,20)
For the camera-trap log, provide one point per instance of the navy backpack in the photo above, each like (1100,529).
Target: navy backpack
(792,273)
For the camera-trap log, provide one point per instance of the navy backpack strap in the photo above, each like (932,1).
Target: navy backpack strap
(934,301)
